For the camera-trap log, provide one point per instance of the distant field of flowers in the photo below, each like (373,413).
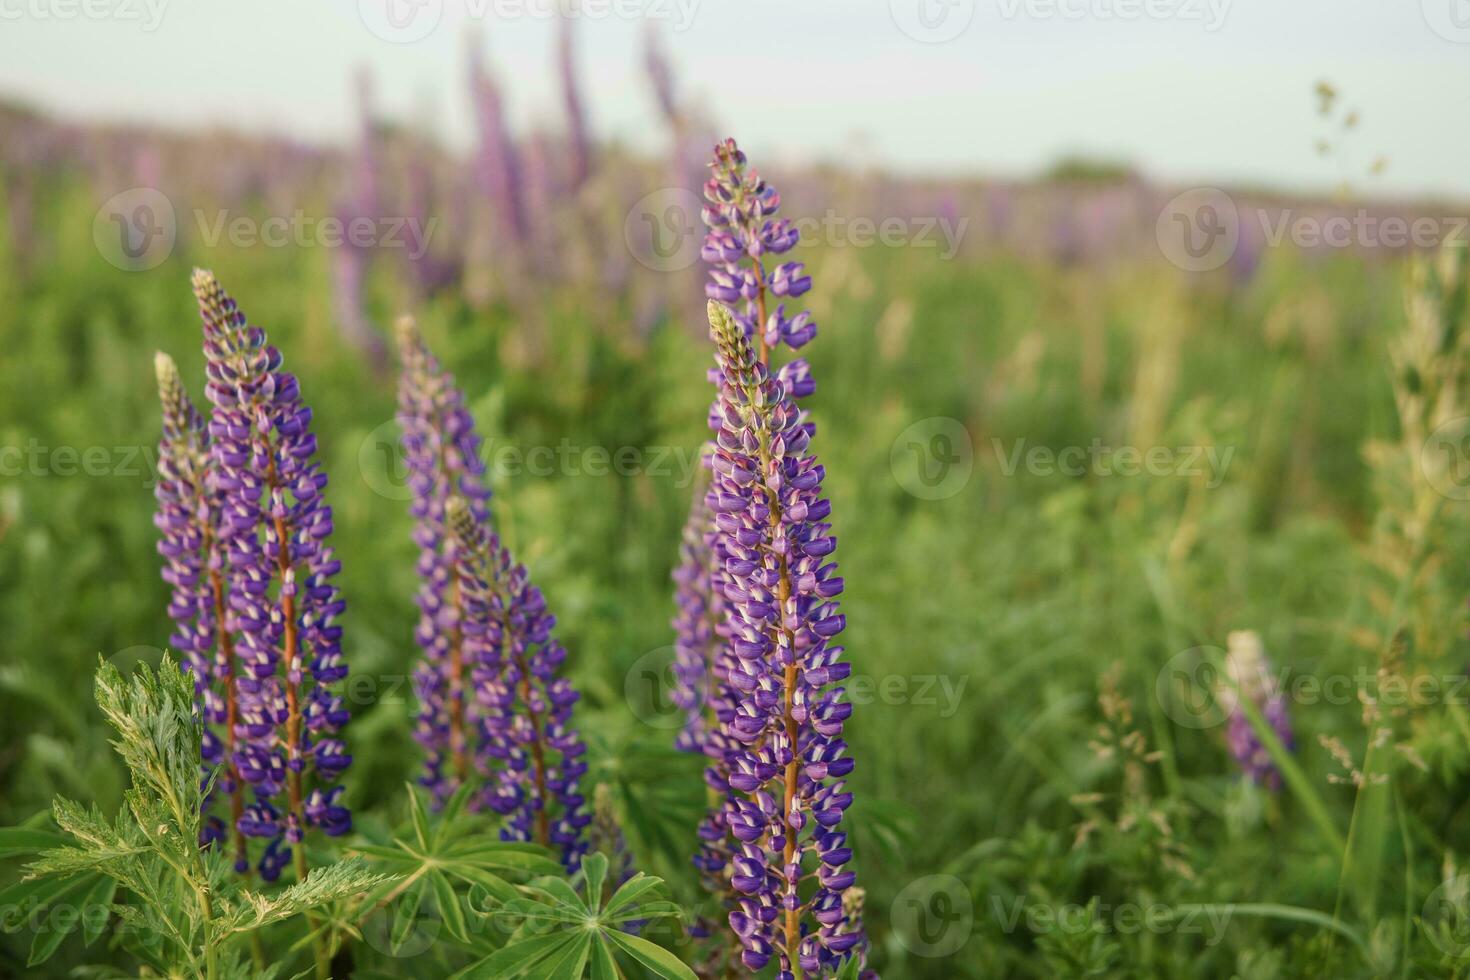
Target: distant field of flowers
(554,561)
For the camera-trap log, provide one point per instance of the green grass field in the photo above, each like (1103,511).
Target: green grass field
(1007,823)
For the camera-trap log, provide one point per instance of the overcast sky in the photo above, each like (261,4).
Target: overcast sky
(1189,90)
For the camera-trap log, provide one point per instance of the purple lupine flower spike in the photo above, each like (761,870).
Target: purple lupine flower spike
(785,794)
(187,518)
(524,707)
(579,142)
(274,526)
(1251,675)
(741,231)
(497,163)
(443,456)
(699,612)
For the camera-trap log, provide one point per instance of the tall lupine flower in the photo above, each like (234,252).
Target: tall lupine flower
(282,604)
(443,456)
(351,259)
(497,164)
(742,230)
(187,519)
(700,611)
(786,794)
(532,756)
(579,142)
(1250,673)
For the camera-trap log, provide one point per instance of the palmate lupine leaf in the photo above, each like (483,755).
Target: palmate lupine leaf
(436,856)
(564,933)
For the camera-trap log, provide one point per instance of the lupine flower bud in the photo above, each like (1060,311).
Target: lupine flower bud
(533,757)
(283,607)
(442,452)
(1250,673)
(790,758)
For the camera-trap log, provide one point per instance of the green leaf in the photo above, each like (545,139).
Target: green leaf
(405,916)
(381,853)
(453,807)
(515,857)
(449,908)
(22,840)
(498,887)
(631,893)
(100,896)
(514,961)
(568,964)
(604,967)
(420,819)
(656,958)
(594,868)
(562,894)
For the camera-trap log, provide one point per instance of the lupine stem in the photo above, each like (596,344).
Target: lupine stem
(291,655)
